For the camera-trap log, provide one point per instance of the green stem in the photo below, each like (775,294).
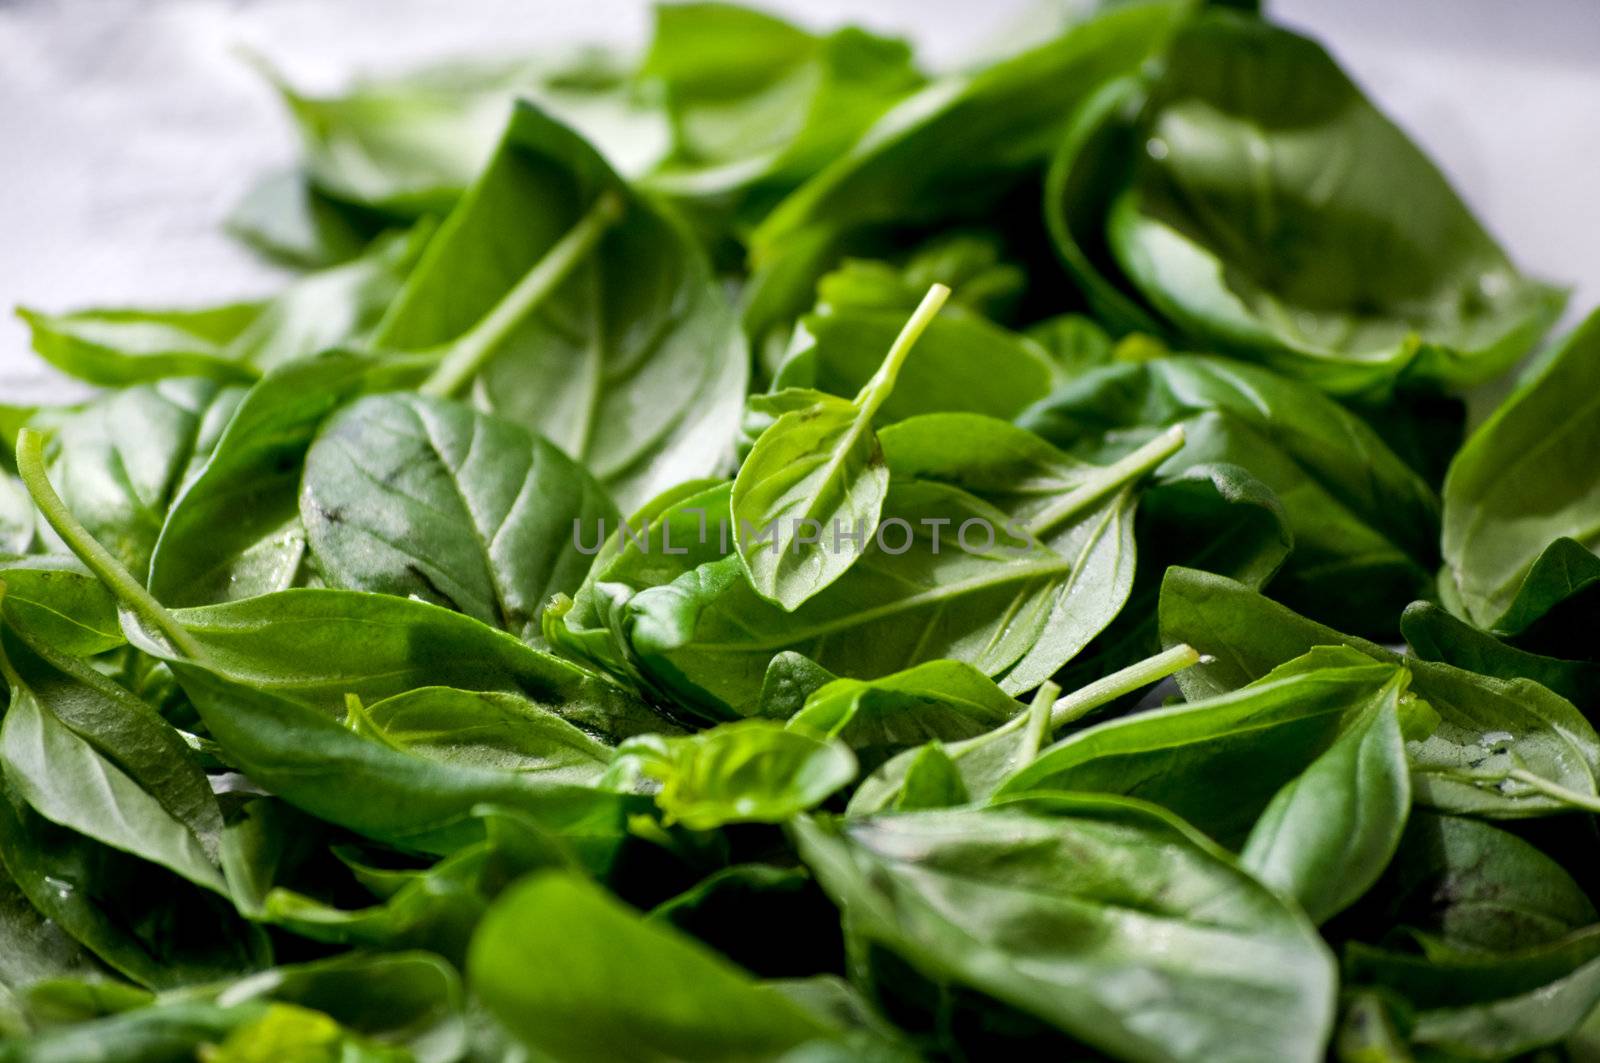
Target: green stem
(1039,713)
(469,354)
(876,391)
(1080,703)
(1111,478)
(110,571)
(1587,802)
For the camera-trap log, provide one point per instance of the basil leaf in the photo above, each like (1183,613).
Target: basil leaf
(752,771)
(411,144)
(1085,911)
(143,921)
(1330,832)
(1244,223)
(1434,635)
(121,460)
(1521,481)
(383,792)
(613,985)
(234,531)
(819,467)
(1488,727)
(963,363)
(425,498)
(55,599)
(1219,761)
(285,218)
(1363,524)
(1007,118)
(487,729)
(660,368)
(878,718)
(1475,886)
(757,105)
(115,348)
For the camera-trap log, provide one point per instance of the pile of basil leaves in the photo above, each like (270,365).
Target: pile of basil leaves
(334,731)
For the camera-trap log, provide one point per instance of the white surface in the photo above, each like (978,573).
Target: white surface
(128,128)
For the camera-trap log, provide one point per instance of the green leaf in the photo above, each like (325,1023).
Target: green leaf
(1522,481)
(633,366)
(1218,762)
(423,497)
(1105,918)
(1247,223)
(1487,729)
(1363,524)
(707,636)
(71,715)
(235,343)
(298,643)
(751,771)
(334,307)
(940,701)
(1081,512)
(143,921)
(756,104)
(411,144)
(487,729)
(610,985)
(1007,118)
(283,217)
(57,602)
(977,766)
(116,348)
(1474,886)
(1559,587)
(284,1031)
(434,908)
(1215,517)
(963,362)
(815,471)
(1434,635)
(120,461)
(16,516)
(37,948)
(402,1006)
(382,792)
(235,532)
(1330,832)
(1490,1006)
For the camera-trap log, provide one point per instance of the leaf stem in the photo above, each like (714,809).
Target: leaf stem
(110,571)
(876,391)
(1040,709)
(1126,469)
(469,354)
(1080,703)
(1587,802)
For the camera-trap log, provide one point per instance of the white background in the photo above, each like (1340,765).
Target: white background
(129,128)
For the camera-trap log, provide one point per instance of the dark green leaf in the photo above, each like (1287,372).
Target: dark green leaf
(1364,525)
(1219,761)
(609,985)
(1103,917)
(1248,224)
(1487,728)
